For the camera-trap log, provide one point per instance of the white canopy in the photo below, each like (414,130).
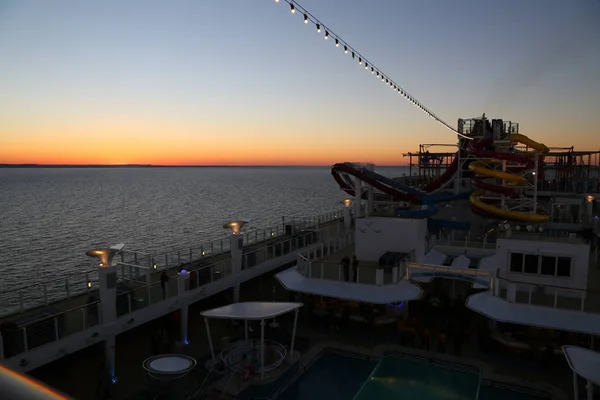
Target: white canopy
(584,361)
(524,314)
(292,280)
(253,310)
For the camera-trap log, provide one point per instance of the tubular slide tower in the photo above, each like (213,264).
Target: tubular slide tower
(504,169)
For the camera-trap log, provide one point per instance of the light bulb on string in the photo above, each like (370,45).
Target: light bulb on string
(373,70)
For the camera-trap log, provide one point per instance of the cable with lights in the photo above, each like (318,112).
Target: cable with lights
(369,66)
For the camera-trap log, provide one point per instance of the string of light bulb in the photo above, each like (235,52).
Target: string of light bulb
(362,60)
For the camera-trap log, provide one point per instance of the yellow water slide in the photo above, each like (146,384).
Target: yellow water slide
(481,168)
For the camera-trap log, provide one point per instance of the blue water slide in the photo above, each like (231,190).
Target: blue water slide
(429,200)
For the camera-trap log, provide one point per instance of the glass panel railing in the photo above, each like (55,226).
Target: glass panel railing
(547,296)
(18,339)
(367,275)
(41,294)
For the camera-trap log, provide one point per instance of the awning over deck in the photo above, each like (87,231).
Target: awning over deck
(524,314)
(292,280)
(585,362)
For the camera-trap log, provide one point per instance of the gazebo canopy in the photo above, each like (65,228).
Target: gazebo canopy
(585,362)
(253,310)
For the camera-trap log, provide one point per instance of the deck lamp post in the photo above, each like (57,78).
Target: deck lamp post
(589,209)
(237,250)
(347,213)
(107,281)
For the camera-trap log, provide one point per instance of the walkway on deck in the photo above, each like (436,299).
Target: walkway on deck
(38,328)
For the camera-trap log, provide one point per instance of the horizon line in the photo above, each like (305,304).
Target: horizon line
(168,166)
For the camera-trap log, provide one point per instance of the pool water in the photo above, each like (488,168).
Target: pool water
(340,377)
(331,377)
(411,380)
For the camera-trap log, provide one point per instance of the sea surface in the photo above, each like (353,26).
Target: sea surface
(51,216)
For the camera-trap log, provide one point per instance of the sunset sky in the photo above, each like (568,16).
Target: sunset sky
(207,82)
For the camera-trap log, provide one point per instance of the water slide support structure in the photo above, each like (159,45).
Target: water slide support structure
(401,191)
(484,169)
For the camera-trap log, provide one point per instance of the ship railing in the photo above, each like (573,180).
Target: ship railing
(35,295)
(366,275)
(40,294)
(558,297)
(303,222)
(414,270)
(133,296)
(329,247)
(219,246)
(253,257)
(19,339)
(132,266)
(463,239)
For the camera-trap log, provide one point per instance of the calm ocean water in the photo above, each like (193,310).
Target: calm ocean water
(52,216)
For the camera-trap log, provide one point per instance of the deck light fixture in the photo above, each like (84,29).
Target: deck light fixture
(337,43)
(236,226)
(318,28)
(292,8)
(589,198)
(305,19)
(346,202)
(346,49)
(105,256)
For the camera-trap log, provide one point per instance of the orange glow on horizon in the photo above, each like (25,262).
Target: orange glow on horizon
(31,384)
(164,143)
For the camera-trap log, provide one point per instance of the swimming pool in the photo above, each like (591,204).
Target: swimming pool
(342,377)
(331,377)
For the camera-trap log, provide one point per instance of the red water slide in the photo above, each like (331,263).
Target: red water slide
(339,170)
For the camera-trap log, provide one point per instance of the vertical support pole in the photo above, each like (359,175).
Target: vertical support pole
(109,351)
(262,349)
(107,279)
(575,386)
(246,330)
(210,343)
(590,390)
(291,354)
(183,284)
(370,193)
(535,183)
(347,217)
(237,249)
(357,197)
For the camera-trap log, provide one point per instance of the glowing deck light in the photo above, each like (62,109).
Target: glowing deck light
(589,198)
(346,202)
(105,256)
(236,226)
